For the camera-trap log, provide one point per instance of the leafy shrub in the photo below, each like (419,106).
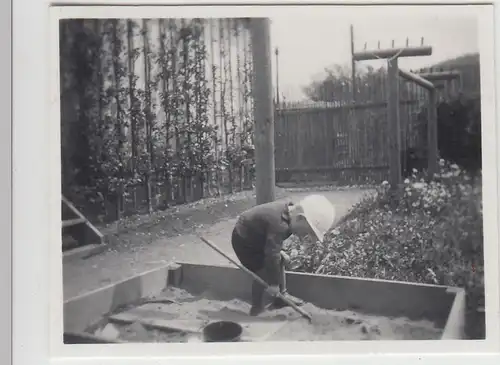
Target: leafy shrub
(459,132)
(426,232)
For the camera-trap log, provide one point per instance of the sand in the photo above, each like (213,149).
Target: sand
(330,325)
(274,325)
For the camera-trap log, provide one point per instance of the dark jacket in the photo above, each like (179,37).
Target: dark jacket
(262,230)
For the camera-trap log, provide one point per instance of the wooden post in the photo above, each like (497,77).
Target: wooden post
(432,141)
(149,143)
(262,90)
(432,137)
(353,66)
(394,127)
(276,52)
(393,72)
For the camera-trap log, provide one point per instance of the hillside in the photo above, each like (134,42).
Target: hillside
(471,59)
(468,65)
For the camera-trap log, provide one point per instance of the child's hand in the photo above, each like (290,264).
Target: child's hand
(273,290)
(286,259)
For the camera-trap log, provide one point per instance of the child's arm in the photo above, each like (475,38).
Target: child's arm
(272,252)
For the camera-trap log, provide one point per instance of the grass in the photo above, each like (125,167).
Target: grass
(422,232)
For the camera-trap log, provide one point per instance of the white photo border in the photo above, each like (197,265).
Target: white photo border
(6,183)
(37,220)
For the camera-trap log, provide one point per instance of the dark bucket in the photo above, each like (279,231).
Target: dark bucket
(223,331)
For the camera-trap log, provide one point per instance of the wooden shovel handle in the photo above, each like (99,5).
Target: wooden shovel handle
(255,277)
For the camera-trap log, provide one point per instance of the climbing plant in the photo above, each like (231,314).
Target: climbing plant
(154,110)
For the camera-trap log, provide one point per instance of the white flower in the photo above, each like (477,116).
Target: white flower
(384,183)
(335,232)
(419,185)
(407,181)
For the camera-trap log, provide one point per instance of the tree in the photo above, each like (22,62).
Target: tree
(336,86)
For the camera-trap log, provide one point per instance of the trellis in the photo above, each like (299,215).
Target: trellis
(154,111)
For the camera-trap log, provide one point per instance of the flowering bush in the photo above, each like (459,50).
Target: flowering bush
(427,232)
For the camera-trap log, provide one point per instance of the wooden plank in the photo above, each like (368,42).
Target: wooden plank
(72,207)
(432,137)
(440,76)
(190,326)
(392,52)
(455,324)
(88,308)
(74,338)
(319,109)
(417,79)
(332,168)
(297,139)
(394,124)
(73,222)
(92,234)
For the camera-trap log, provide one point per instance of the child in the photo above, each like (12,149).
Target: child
(258,237)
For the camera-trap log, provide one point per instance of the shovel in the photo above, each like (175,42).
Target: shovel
(255,277)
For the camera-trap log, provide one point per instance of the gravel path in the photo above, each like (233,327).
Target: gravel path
(166,238)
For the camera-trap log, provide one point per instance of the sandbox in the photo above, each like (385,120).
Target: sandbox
(174,303)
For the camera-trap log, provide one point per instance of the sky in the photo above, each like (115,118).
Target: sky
(310,42)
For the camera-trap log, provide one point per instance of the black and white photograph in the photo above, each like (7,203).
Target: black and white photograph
(309,177)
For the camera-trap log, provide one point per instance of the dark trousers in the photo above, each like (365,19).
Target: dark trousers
(254,260)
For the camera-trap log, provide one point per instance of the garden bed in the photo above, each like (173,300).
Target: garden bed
(423,232)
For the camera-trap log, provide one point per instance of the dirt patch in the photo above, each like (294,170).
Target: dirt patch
(173,222)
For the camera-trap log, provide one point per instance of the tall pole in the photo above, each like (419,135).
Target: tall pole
(394,126)
(276,52)
(353,65)
(432,135)
(262,91)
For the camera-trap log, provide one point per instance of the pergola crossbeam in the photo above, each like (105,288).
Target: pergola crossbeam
(418,79)
(392,52)
(391,56)
(440,76)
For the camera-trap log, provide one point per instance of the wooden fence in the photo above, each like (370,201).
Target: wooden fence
(346,143)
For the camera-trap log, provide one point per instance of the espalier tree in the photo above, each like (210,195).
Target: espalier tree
(161,106)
